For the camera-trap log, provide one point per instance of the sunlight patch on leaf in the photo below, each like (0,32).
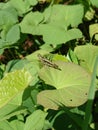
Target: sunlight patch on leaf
(12,84)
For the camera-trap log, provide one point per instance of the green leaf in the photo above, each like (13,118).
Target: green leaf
(58,57)
(90,14)
(54,21)
(8,16)
(71,83)
(23,6)
(5,125)
(61,35)
(17,125)
(33,2)
(96,37)
(11,109)
(72,56)
(13,34)
(33,65)
(86,55)
(2,43)
(34,55)
(47,47)
(93,29)
(94,2)
(12,84)
(15,65)
(35,121)
(33,68)
(60,14)
(30,23)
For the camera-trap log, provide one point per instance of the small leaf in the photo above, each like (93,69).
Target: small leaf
(35,121)
(17,125)
(12,84)
(93,29)
(23,6)
(72,56)
(30,23)
(13,34)
(94,2)
(86,55)
(96,37)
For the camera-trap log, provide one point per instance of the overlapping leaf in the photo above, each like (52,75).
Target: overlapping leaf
(53,23)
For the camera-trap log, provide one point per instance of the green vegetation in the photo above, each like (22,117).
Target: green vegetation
(48,65)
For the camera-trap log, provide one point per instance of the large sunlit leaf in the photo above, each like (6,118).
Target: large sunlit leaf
(35,121)
(71,82)
(12,84)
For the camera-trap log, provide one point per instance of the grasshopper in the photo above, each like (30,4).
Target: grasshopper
(47,62)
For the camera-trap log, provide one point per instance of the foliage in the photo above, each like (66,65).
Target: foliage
(59,89)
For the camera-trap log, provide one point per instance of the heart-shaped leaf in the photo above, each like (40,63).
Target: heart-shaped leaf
(71,82)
